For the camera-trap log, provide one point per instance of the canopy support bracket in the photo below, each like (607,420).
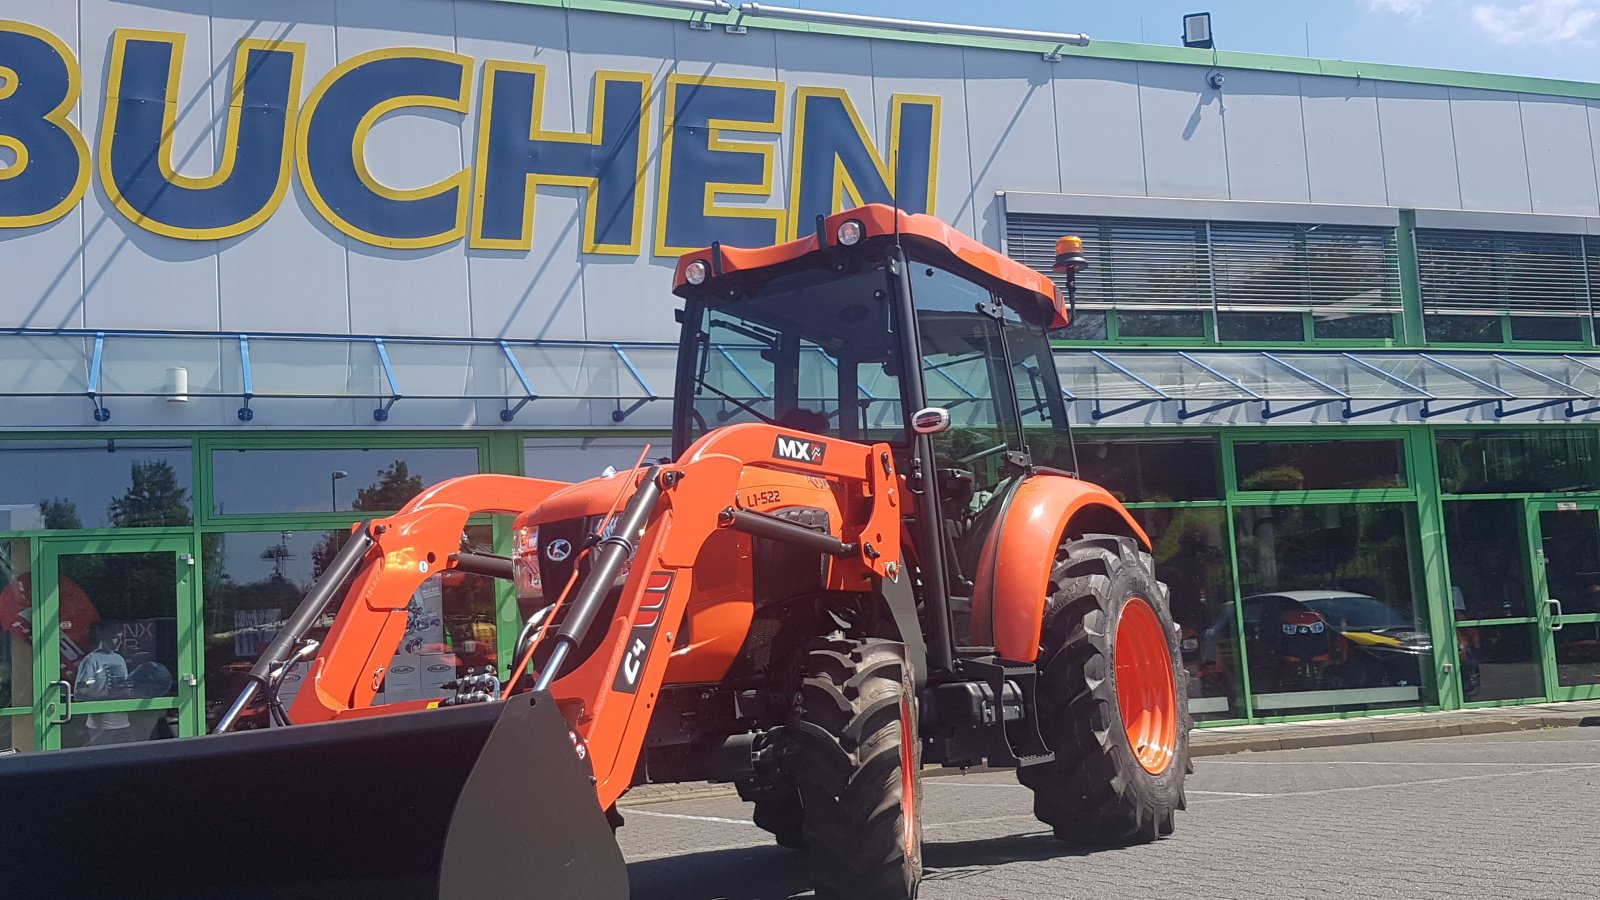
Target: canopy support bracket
(1350,412)
(619,414)
(1268,413)
(528,395)
(1501,412)
(1097,413)
(1184,412)
(1429,412)
(1572,412)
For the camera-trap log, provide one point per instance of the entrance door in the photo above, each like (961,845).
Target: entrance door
(1567,580)
(113,659)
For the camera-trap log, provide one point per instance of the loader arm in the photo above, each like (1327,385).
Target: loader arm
(419,541)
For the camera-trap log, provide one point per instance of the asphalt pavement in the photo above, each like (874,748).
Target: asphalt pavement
(1508,815)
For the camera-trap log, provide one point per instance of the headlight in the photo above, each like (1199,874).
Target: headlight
(695,272)
(525,563)
(850,232)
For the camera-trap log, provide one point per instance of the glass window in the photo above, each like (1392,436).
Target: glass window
(580,458)
(810,350)
(1499,662)
(1463,329)
(1331,621)
(1546,328)
(1486,556)
(1152,469)
(16,625)
(1260,327)
(1087,325)
(335,480)
(1191,557)
(1319,465)
(1361,325)
(1160,325)
(255,580)
(1502,462)
(112,483)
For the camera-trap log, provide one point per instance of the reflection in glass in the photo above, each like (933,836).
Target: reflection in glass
(92,730)
(1546,328)
(334,480)
(119,626)
(16,624)
(1577,647)
(1499,662)
(1445,329)
(113,483)
(1319,465)
(1086,325)
(1191,557)
(1154,325)
(1152,469)
(16,733)
(1379,326)
(1260,327)
(577,459)
(1331,621)
(255,580)
(1505,461)
(1486,559)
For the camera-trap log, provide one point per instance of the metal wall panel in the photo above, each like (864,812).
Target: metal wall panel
(1344,151)
(1011,131)
(626,297)
(1561,173)
(1419,153)
(43,265)
(1098,127)
(899,67)
(1184,155)
(133,278)
(259,291)
(1493,165)
(536,293)
(1265,136)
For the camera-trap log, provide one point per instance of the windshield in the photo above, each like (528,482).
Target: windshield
(810,350)
(1359,613)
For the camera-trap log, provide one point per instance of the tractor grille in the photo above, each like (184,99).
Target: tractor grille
(575,532)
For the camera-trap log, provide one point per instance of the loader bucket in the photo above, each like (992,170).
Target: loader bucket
(473,801)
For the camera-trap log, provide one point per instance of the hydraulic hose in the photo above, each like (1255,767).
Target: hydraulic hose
(610,555)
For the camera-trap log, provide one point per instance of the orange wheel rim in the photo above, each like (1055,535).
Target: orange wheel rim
(908,777)
(1146,694)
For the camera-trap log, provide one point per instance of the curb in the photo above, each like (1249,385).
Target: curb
(1202,745)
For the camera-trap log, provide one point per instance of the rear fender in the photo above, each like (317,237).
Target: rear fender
(1014,566)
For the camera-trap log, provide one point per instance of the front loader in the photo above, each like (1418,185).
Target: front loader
(866,553)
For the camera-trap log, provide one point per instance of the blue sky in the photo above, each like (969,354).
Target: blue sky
(1546,38)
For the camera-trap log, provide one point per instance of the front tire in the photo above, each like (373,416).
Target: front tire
(857,765)
(1112,699)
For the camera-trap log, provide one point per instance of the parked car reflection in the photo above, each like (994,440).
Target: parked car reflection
(1324,640)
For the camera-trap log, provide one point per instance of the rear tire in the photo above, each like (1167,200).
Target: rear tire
(858,770)
(1101,789)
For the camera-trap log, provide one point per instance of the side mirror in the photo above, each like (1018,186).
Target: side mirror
(931,420)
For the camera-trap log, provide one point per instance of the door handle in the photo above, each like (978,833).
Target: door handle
(1555,614)
(65,715)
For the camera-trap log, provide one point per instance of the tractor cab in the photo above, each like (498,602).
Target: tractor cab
(910,334)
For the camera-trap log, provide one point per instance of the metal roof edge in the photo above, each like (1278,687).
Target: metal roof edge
(1131,52)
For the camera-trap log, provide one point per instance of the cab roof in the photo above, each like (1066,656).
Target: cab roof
(1031,294)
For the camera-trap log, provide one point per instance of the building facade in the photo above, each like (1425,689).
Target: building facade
(270,271)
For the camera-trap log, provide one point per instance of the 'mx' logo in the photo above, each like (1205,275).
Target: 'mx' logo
(798,450)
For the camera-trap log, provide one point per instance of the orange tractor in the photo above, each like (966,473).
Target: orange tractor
(852,566)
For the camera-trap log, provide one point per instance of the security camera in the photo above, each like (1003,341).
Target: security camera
(1215,80)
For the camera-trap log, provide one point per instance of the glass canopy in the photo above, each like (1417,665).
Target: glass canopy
(102,366)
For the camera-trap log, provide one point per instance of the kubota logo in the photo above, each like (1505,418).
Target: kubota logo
(558,550)
(798,450)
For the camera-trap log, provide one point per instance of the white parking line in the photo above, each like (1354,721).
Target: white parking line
(1222,794)
(1402,784)
(1303,764)
(662,815)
